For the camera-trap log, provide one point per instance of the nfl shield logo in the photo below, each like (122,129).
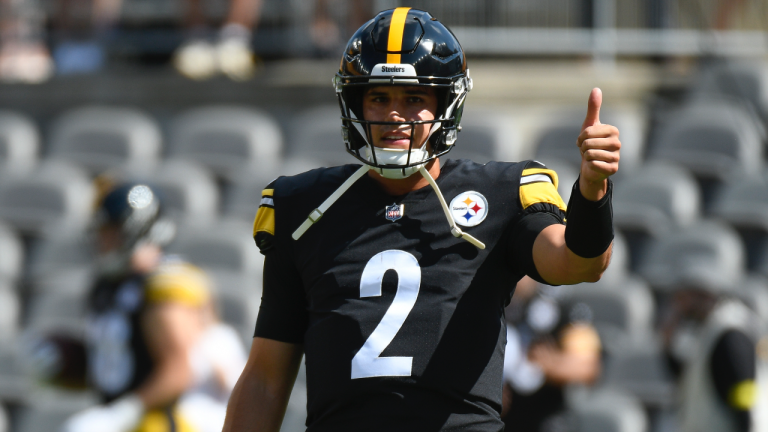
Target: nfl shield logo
(394,212)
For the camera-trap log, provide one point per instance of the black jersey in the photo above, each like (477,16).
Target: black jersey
(402,323)
(118,357)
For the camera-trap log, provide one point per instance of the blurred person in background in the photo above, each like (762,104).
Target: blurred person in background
(710,343)
(550,345)
(24,56)
(156,353)
(326,35)
(81,29)
(231,54)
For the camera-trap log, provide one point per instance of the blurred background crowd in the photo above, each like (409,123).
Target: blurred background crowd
(208,100)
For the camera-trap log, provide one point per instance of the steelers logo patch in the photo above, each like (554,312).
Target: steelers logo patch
(469,208)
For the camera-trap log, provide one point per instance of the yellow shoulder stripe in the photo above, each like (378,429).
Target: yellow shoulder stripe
(178,283)
(743,395)
(264,221)
(265,216)
(396,30)
(548,172)
(537,191)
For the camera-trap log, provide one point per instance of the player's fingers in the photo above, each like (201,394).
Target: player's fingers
(611,144)
(597,155)
(593,108)
(598,131)
(601,169)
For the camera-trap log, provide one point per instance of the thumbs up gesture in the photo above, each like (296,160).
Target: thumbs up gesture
(599,145)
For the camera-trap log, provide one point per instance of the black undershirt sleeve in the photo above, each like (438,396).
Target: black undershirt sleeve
(732,364)
(283,313)
(522,235)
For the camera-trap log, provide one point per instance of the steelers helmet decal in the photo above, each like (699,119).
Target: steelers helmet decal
(406,47)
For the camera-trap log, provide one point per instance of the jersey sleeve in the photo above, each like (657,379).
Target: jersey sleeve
(264,222)
(283,312)
(178,282)
(541,206)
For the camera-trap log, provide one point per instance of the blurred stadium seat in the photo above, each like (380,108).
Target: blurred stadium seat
(99,138)
(19,142)
(618,270)
(225,245)
(746,80)
(243,197)
(650,203)
(608,410)
(707,254)
(486,135)
(11,254)
(714,139)
(50,408)
(743,203)
(62,253)
(228,140)
(315,134)
(642,371)
(53,197)
(225,250)
(188,190)
(10,313)
(4,423)
(623,310)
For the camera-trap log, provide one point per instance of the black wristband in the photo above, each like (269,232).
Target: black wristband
(589,224)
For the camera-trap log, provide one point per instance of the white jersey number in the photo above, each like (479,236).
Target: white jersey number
(367,363)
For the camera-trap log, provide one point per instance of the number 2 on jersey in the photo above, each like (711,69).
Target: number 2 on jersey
(367,363)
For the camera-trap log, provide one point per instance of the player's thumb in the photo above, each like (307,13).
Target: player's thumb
(593,108)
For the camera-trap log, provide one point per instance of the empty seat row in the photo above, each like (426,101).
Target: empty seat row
(228,140)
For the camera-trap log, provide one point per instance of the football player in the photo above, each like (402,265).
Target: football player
(400,314)
(145,316)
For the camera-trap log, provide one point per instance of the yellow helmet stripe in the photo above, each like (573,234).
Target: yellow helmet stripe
(396,29)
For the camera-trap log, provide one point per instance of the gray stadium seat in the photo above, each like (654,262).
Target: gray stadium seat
(243,196)
(714,139)
(743,203)
(54,196)
(237,297)
(19,142)
(103,137)
(62,253)
(486,135)
(746,80)
(226,245)
(58,304)
(608,410)
(315,134)
(228,140)
(188,190)
(623,310)
(619,268)
(642,371)
(49,408)
(706,254)
(651,202)
(10,313)
(656,199)
(12,253)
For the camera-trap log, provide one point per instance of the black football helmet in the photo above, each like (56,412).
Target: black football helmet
(405,47)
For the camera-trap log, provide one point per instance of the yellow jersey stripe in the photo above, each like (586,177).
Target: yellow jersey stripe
(547,172)
(264,221)
(268,192)
(396,30)
(541,192)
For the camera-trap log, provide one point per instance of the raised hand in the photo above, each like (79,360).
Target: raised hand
(599,145)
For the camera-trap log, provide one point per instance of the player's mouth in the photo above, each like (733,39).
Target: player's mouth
(395,139)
